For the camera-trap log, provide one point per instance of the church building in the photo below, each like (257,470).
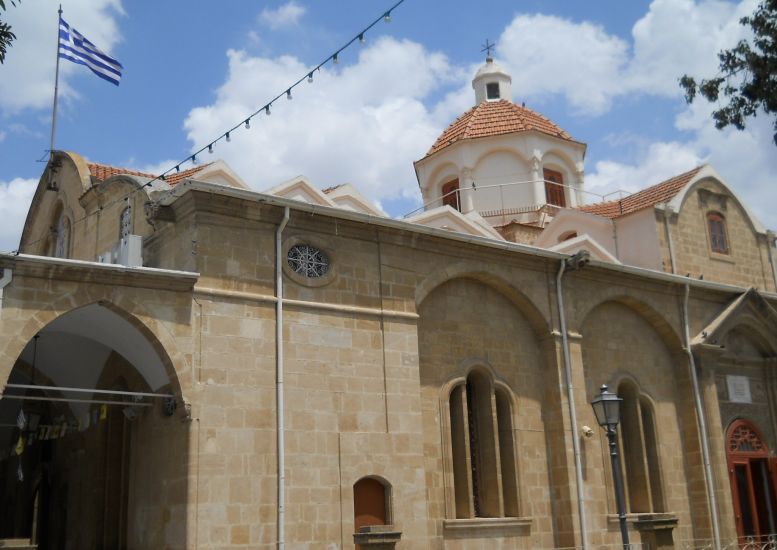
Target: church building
(192,364)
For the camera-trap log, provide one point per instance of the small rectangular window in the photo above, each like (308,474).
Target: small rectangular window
(717,228)
(492,90)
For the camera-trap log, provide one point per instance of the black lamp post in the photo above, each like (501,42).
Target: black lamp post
(607,408)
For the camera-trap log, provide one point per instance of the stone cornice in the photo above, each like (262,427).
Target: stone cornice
(43,267)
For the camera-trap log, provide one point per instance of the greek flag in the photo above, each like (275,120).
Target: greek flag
(76,48)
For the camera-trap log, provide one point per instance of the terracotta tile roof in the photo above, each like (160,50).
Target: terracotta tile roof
(493,118)
(651,196)
(102,172)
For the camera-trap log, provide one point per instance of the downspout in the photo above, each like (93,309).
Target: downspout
(279,394)
(667,214)
(571,394)
(4,282)
(769,244)
(705,445)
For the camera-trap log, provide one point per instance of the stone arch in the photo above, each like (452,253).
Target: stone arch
(658,322)
(567,160)
(160,340)
(513,152)
(442,173)
(498,282)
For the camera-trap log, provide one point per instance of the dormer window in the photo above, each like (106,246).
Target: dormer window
(492,90)
(450,194)
(716,225)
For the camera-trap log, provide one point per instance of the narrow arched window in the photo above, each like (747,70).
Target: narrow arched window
(450,194)
(485,481)
(370,503)
(716,225)
(62,241)
(125,223)
(638,441)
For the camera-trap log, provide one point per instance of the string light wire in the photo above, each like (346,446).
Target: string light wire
(246,122)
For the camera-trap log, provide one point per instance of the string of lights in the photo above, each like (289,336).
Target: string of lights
(245,123)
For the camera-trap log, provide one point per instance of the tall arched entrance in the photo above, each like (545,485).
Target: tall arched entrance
(91,454)
(752,477)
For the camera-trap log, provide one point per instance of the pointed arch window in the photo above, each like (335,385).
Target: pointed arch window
(639,444)
(716,225)
(482,449)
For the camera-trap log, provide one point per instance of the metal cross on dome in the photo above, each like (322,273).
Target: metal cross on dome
(487,47)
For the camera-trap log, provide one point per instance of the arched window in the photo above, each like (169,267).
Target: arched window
(567,236)
(554,187)
(642,474)
(485,482)
(450,194)
(125,222)
(716,225)
(62,238)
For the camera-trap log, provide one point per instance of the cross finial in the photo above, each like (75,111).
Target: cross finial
(487,47)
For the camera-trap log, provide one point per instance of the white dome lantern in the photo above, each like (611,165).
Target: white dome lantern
(492,83)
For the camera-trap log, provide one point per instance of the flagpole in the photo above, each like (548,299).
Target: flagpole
(56,91)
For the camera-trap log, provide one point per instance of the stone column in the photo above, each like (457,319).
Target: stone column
(467,190)
(537,178)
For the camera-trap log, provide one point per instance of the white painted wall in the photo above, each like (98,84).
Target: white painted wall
(638,242)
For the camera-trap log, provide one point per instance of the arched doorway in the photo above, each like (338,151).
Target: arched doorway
(751,474)
(87,443)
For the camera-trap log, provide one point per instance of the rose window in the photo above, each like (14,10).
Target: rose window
(308,261)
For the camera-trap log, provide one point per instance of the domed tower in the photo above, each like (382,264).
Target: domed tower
(501,160)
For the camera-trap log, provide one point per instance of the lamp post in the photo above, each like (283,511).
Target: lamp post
(607,408)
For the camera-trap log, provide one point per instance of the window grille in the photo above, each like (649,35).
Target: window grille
(308,261)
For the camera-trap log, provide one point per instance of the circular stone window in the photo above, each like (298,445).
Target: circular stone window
(308,261)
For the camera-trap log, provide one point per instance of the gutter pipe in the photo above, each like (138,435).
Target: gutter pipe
(575,262)
(705,446)
(279,393)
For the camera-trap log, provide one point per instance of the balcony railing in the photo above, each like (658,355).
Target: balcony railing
(763,542)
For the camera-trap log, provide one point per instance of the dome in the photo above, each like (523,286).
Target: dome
(495,118)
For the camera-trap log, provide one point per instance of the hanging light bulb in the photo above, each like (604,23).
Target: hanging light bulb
(335,60)
(267,110)
(310,77)
(248,124)
(362,40)
(227,136)
(387,17)
(210,149)
(194,159)
(288,94)
(178,168)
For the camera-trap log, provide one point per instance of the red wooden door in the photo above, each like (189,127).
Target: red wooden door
(369,504)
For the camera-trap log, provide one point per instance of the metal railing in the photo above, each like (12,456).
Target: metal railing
(762,542)
(439,201)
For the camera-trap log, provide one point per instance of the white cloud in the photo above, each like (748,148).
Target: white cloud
(590,68)
(15,198)
(361,124)
(27,76)
(286,15)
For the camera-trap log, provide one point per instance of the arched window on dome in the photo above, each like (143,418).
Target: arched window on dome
(492,90)
(716,225)
(485,481)
(450,194)
(554,187)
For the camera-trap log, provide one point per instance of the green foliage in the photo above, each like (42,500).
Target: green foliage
(748,74)
(6,36)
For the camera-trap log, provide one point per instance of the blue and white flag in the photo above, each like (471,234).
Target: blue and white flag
(76,48)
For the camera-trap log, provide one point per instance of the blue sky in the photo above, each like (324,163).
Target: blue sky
(605,71)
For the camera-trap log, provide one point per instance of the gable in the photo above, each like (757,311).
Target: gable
(300,189)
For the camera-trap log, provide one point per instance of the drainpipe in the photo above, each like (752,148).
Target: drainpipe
(769,244)
(667,215)
(577,261)
(4,282)
(279,399)
(705,444)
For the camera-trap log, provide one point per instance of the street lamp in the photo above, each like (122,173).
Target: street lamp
(607,408)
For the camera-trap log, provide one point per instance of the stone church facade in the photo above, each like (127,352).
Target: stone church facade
(434,374)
